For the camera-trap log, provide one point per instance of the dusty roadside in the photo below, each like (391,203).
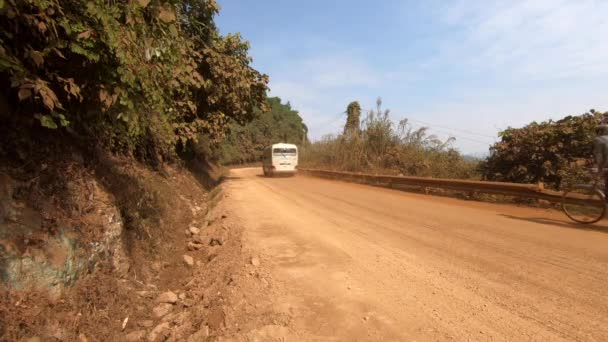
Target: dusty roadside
(126,254)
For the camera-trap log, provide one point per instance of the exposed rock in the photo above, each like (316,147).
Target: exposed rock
(56,332)
(182,318)
(146,324)
(182,296)
(157,266)
(216,319)
(188,260)
(162,309)
(194,230)
(151,287)
(179,333)
(200,335)
(216,242)
(193,246)
(135,336)
(167,297)
(170,317)
(177,318)
(159,331)
(197,239)
(255,261)
(145,294)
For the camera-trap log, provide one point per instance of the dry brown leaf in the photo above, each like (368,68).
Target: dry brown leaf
(24,93)
(36,56)
(47,99)
(42,27)
(143,3)
(105,98)
(166,14)
(103,95)
(59,53)
(85,34)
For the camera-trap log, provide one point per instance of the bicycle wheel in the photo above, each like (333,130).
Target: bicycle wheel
(584,204)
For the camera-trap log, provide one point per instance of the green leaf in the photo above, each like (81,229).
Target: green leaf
(46,121)
(173,30)
(84,52)
(62,119)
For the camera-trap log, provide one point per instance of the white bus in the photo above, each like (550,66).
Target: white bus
(280,159)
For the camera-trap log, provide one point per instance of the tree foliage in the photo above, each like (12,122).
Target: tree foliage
(132,76)
(353,118)
(383,147)
(542,152)
(246,143)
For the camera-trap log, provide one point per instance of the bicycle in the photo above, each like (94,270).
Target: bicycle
(585,203)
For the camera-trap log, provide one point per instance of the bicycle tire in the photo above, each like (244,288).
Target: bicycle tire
(590,199)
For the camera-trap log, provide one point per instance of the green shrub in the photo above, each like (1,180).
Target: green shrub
(543,152)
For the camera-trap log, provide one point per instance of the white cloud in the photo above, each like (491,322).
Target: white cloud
(529,40)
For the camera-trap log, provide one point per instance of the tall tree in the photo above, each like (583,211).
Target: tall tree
(353,112)
(139,77)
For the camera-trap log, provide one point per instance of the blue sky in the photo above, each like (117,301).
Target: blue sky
(464,68)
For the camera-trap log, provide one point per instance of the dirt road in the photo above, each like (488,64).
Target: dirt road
(353,262)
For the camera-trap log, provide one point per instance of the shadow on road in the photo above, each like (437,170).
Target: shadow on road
(565,224)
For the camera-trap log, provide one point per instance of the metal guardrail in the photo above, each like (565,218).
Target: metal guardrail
(498,188)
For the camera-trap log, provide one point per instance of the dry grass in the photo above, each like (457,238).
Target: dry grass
(380,147)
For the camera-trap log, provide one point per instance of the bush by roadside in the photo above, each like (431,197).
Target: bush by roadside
(377,145)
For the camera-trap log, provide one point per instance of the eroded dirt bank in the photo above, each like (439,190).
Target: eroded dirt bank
(113,251)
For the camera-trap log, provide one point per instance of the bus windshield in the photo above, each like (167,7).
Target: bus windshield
(284,151)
